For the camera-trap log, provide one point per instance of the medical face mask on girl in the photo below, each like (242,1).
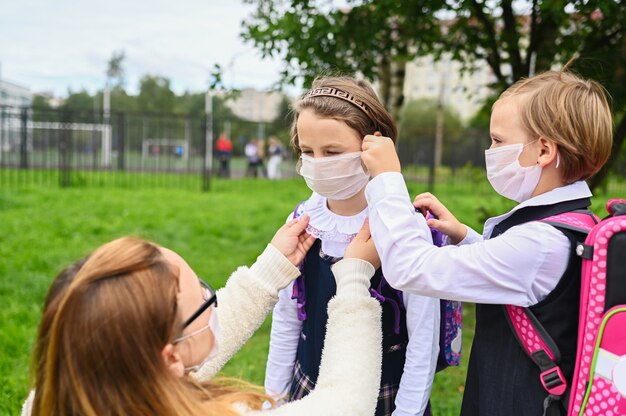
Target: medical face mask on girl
(334,177)
(214,326)
(507,176)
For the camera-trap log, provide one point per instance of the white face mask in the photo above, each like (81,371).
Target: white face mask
(214,326)
(334,177)
(507,176)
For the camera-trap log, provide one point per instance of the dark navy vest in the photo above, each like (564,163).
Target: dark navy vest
(320,287)
(501,379)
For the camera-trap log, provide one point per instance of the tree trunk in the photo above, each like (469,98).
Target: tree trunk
(385,80)
(397,88)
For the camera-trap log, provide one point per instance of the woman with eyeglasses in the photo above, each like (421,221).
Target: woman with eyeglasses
(132,330)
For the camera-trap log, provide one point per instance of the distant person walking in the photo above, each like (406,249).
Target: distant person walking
(276,157)
(260,145)
(224,149)
(252,155)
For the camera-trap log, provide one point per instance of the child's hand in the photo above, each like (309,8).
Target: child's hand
(362,247)
(445,222)
(379,155)
(293,241)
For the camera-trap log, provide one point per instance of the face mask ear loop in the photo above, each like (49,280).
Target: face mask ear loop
(558,159)
(365,168)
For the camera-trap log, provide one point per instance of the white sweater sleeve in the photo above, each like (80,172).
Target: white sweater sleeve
(422,321)
(245,301)
(351,361)
(27,407)
(285,334)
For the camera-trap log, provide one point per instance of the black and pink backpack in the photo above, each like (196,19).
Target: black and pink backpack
(599,381)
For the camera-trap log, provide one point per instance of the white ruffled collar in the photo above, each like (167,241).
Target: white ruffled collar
(328,226)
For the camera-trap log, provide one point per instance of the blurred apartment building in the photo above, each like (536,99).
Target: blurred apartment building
(14,95)
(13,98)
(464,92)
(254,105)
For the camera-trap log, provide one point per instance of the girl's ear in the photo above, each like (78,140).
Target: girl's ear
(547,151)
(173,361)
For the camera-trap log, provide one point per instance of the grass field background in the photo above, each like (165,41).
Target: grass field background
(43,229)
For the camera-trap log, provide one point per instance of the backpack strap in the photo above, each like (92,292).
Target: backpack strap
(540,212)
(397,304)
(532,336)
(539,346)
(298,292)
(450,319)
(581,221)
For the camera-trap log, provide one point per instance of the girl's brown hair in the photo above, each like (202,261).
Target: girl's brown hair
(366,117)
(100,340)
(572,112)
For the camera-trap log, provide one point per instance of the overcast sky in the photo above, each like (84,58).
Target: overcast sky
(53,45)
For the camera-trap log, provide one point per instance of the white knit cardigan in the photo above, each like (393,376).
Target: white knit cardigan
(350,369)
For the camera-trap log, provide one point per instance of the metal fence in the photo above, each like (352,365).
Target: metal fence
(65,148)
(54,147)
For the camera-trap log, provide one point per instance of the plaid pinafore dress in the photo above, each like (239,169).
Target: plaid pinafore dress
(313,290)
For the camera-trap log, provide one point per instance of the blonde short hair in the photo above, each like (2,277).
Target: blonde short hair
(572,112)
(366,116)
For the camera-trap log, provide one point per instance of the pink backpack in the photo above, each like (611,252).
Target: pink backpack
(599,381)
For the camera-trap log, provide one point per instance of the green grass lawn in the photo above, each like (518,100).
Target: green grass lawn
(43,229)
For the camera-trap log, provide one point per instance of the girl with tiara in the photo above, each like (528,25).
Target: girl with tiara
(330,123)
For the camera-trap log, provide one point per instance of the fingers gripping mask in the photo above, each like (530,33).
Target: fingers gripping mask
(507,176)
(334,177)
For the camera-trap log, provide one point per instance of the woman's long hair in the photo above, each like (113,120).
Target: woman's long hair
(99,345)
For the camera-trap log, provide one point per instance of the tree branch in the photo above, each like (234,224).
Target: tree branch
(493,55)
(512,40)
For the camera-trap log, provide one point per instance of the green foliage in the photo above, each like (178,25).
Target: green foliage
(39,101)
(193,104)
(314,37)
(78,101)
(417,135)
(115,70)
(42,110)
(155,95)
(419,117)
(280,126)
(121,101)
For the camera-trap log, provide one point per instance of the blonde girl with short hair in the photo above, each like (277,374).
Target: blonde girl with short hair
(549,133)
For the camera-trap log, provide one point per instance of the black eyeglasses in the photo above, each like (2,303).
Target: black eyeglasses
(210,299)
